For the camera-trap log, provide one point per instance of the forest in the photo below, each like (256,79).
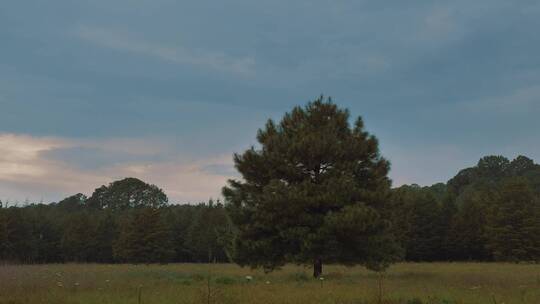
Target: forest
(315,191)
(490,212)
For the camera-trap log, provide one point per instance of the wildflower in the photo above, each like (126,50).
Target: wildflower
(321,278)
(249,278)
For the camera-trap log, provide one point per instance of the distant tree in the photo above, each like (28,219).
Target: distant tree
(439,191)
(106,232)
(448,214)
(468,227)
(462,180)
(46,234)
(4,234)
(313,180)
(493,167)
(127,193)
(181,218)
(211,234)
(513,229)
(489,171)
(144,237)
(417,221)
(78,241)
(73,203)
(16,236)
(477,193)
(525,167)
(520,166)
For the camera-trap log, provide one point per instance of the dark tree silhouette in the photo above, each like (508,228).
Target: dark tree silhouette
(312,193)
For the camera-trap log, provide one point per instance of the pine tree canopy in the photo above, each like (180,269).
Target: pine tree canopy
(313,178)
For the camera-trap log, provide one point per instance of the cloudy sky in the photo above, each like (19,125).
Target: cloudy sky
(163,90)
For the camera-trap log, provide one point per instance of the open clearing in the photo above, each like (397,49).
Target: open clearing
(473,283)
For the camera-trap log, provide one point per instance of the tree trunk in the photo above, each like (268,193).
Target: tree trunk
(317,268)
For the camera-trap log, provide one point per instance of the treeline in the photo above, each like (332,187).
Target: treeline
(490,212)
(127,221)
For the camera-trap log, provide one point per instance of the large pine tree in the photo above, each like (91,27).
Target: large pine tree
(313,191)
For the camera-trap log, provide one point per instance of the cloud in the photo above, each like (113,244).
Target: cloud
(462,73)
(179,55)
(19,155)
(38,168)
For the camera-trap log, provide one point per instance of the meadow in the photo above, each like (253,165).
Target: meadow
(408,283)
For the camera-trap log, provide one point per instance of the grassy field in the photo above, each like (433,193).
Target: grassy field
(446,283)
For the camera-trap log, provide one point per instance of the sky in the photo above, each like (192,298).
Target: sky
(92,91)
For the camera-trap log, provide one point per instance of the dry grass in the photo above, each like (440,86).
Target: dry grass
(439,283)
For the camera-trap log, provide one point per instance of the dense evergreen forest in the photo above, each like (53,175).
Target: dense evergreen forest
(490,212)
